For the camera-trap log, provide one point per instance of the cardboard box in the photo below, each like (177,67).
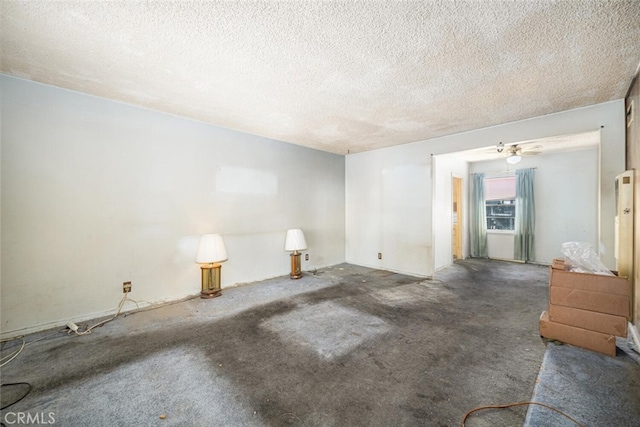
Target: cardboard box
(617,305)
(559,264)
(590,340)
(591,320)
(590,282)
(593,292)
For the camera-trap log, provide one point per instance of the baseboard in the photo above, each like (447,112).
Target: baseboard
(393,270)
(508,260)
(142,306)
(59,323)
(635,337)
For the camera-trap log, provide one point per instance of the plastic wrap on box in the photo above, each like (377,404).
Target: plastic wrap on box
(582,258)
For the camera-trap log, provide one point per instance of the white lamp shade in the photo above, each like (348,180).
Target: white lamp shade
(211,249)
(295,240)
(512,160)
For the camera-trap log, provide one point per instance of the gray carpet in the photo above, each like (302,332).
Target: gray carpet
(594,389)
(346,346)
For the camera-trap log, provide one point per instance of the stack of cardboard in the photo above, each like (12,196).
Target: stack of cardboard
(586,310)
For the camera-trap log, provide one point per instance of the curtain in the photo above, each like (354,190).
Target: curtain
(478,218)
(525,216)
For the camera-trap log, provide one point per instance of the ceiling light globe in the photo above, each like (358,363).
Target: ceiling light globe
(512,160)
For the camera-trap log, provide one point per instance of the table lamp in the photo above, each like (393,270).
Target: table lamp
(295,242)
(211,252)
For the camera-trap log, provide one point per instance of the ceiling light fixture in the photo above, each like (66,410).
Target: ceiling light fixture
(513,159)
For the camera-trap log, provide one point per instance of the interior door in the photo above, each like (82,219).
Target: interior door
(456,217)
(624,228)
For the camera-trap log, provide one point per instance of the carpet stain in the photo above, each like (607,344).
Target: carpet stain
(325,350)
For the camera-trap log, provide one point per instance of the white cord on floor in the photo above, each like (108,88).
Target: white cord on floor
(13,355)
(24,344)
(90,328)
(8,358)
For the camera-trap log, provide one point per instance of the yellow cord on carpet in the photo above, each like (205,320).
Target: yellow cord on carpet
(480,408)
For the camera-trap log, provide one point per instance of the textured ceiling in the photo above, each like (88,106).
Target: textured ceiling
(336,76)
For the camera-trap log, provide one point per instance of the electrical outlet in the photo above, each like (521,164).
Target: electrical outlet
(306,257)
(126,287)
(379,255)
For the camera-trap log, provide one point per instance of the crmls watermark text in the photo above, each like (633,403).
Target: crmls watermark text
(26,418)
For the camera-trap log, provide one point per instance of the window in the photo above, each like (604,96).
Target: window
(500,202)
(501,214)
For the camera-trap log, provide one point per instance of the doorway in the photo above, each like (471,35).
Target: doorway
(456,217)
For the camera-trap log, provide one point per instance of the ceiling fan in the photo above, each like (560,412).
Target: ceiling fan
(515,153)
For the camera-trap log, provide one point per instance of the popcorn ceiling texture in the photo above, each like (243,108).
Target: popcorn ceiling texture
(336,76)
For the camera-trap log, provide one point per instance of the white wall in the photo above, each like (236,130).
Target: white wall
(566,200)
(366,193)
(95,193)
(388,212)
(500,245)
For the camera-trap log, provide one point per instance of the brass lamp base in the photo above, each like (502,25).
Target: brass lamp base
(210,281)
(296,270)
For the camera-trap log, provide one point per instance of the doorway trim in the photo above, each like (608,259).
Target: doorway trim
(457,216)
